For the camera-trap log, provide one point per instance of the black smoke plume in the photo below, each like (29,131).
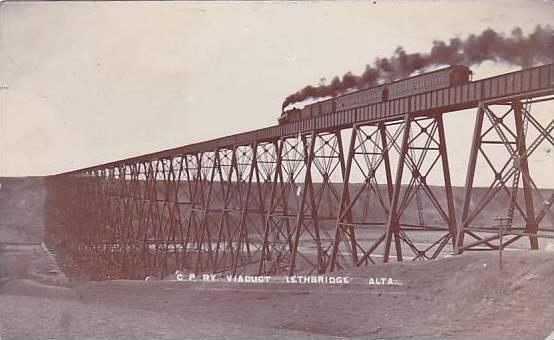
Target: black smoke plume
(516,49)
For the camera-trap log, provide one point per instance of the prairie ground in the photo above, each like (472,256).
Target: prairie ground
(461,297)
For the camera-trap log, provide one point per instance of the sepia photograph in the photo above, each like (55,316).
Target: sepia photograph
(277,169)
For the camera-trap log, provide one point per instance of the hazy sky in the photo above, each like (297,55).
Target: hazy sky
(94,82)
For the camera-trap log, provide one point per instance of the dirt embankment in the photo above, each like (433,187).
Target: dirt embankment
(459,297)
(22,210)
(22,227)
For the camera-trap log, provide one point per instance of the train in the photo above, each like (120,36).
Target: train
(452,75)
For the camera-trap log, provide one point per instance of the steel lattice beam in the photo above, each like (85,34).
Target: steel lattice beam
(286,200)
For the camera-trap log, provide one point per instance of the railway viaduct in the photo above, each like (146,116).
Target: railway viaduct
(314,196)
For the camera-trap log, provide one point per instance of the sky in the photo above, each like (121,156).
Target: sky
(86,83)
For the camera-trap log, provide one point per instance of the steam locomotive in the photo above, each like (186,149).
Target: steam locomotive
(453,75)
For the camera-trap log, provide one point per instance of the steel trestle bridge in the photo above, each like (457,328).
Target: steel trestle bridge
(317,195)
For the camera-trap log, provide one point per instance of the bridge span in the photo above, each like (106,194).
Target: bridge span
(317,195)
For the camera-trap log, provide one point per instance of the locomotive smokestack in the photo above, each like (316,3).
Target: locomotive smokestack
(516,49)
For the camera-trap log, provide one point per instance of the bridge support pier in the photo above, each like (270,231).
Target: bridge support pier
(423,146)
(372,211)
(502,129)
(303,204)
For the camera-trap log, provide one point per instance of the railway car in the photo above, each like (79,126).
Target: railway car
(453,75)
(436,80)
(306,111)
(317,109)
(365,97)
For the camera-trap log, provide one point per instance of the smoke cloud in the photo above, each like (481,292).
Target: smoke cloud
(516,49)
